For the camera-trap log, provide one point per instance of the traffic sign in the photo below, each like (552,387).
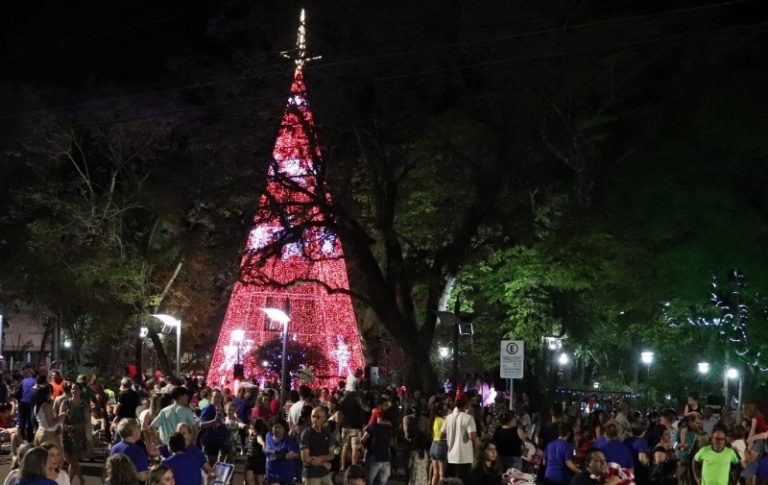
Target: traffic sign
(511,359)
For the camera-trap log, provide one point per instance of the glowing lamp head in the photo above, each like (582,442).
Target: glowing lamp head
(732,373)
(277,315)
(264,363)
(67,344)
(646,358)
(703,367)
(169,322)
(238,336)
(563,359)
(595,385)
(444,352)
(143,332)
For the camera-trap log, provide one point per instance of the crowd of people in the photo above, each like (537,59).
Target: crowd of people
(163,432)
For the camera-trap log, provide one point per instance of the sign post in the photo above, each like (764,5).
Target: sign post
(511,363)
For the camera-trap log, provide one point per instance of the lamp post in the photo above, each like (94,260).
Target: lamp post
(646,358)
(731,374)
(238,336)
(173,322)
(280,316)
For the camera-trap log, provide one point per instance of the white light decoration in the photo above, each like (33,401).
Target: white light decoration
(444,352)
(67,344)
(595,385)
(143,332)
(646,357)
(261,237)
(668,397)
(341,354)
(563,359)
(703,367)
(264,363)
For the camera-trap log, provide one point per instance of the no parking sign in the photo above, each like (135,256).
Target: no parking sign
(511,359)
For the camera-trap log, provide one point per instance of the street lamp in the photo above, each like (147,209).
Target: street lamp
(646,358)
(169,321)
(444,352)
(278,315)
(703,367)
(563,359)
(733,373)
(595,385)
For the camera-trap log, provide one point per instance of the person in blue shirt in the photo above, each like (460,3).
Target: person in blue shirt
(32,471)
(25,396)
(616,451)
(129,432)
(282,453)
(187,467)
(558,458)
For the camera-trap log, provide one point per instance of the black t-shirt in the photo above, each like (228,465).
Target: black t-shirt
(351,411)
(583,478)
(128,401)
(379,437)
(508,442)
(318,444)
(548,434)
(484,476)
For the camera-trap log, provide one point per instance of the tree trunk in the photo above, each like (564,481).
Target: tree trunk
(165,364)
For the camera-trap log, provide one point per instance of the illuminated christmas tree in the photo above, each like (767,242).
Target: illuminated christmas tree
(293,261)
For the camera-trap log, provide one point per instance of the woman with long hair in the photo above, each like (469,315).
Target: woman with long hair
(49,429)
(256,461)
(150,435)
(487,469)
(119,470)
(438,451)
(32,471)
(74,410)
(161,475)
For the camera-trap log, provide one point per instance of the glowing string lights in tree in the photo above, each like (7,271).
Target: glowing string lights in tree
(292,257)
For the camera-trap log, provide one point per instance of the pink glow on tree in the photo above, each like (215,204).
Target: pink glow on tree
(292,258)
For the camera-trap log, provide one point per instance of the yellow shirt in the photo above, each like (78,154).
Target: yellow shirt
(437,427)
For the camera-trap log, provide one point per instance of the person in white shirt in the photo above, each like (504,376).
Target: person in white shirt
(294,414)
(460,431)
(708,420)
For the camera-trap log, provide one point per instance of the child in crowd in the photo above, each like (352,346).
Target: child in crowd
(419,459)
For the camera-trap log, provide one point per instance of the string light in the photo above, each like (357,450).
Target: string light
(289,243)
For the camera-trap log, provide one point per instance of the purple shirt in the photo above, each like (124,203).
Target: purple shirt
(186,467)
(557,453)
(617,452)
(136,453)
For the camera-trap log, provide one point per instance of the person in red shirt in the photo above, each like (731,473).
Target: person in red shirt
(57,383)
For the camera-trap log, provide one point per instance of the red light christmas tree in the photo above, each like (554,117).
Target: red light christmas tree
(293,260)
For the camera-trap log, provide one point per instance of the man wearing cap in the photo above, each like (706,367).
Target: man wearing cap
(170,416)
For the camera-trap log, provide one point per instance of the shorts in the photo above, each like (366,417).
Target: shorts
(351,436)
(439,451)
